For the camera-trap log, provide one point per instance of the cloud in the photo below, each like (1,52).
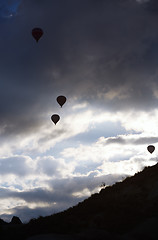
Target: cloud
(152,6)
(18,165)
(78,58)
(133,139)
(129,153)
(142,1)
(56,184)
(40,201)
(102,55)
(52,167)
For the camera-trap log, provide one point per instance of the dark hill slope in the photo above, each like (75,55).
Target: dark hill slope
(118,208)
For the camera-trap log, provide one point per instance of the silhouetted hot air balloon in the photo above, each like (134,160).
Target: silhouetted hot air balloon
(55,118)
(61,100)
(151,148)
(37,33)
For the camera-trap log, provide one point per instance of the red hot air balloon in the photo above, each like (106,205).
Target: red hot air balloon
(55,118)
(61,100)
(37,33)
(151,148)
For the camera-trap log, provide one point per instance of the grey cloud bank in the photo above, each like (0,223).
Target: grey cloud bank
(59,198)
(104,52)
(129,140)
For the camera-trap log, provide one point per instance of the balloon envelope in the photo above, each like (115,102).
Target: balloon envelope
(55,118)
(61,100)
(37,33)
(151,148)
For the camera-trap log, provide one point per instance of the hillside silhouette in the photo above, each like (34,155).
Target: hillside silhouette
(125,209)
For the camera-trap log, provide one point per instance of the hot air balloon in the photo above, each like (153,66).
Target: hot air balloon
(151,148)
(37,33)
(61,100)
(55,118)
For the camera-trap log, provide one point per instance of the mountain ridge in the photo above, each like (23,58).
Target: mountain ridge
(117,209)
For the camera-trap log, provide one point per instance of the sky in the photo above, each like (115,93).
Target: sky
(103,56)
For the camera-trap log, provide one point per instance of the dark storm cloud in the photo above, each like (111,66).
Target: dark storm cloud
(40,195)
(89,48)
(139,141)
(151,5)
(5,193)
